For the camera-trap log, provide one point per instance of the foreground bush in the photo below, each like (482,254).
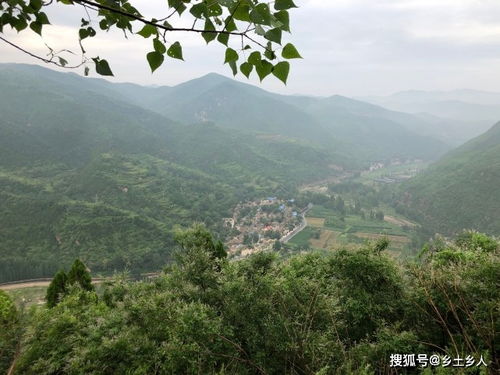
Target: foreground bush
(9,331)
(345,312)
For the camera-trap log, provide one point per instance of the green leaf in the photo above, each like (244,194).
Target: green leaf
(36,27)
(102,67)
(178,5)
(198,10)
(36,5)
(229,24)
(155,59)
(214,10)
(42,18)
(259,30)
(159,46)
(83,33)
(255,58)
(281,71)
(234,67)
(283,17)
(284,4)
(261,14)
(242,12)
(273,35)
(223,38)
(246,69)
(231,55)
(147,31)
(19,24)
(103,24)
(264,69)
(209,26)
(290,52)
(269,53)
(175,51)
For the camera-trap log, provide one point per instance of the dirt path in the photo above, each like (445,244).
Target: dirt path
(24,285)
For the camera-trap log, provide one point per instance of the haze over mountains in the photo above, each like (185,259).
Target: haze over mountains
(88,167)
(338,122)
(460,114)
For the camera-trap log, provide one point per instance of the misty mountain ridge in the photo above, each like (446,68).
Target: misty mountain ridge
(88,166)
(460,114)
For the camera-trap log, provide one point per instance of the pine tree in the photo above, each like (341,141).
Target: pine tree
(56,289)
(79,274)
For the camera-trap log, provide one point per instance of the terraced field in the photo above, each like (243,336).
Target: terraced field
(326,230)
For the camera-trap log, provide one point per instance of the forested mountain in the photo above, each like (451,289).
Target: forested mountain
(85,173)
(459,191)
(360,130)
(98,170)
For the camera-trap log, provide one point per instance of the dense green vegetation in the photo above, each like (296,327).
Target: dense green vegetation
(460,191)
(62,282)
(94,170)
(342,312)
(9,331)
(86,174)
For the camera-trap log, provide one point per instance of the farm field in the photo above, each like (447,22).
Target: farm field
(327,230)
(401,171)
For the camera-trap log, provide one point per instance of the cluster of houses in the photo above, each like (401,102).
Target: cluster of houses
(257,225)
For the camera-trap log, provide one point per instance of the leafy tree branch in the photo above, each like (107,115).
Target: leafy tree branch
(258,25)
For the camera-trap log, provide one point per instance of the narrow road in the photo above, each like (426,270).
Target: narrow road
(44,282)
(300,228)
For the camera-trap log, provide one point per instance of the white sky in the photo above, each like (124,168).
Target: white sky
(351,47)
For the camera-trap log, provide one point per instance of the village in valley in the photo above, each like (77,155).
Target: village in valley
(333,217)
(263,225)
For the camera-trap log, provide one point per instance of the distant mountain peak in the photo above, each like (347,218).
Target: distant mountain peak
(210,78)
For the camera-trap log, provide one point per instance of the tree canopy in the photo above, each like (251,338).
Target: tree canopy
(340,312)
(251,30)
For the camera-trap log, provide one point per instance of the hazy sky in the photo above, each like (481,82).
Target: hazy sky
(351,47)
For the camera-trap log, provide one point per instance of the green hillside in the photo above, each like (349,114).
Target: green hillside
(346,127)
(85,173)
(88,170)
(461,190)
